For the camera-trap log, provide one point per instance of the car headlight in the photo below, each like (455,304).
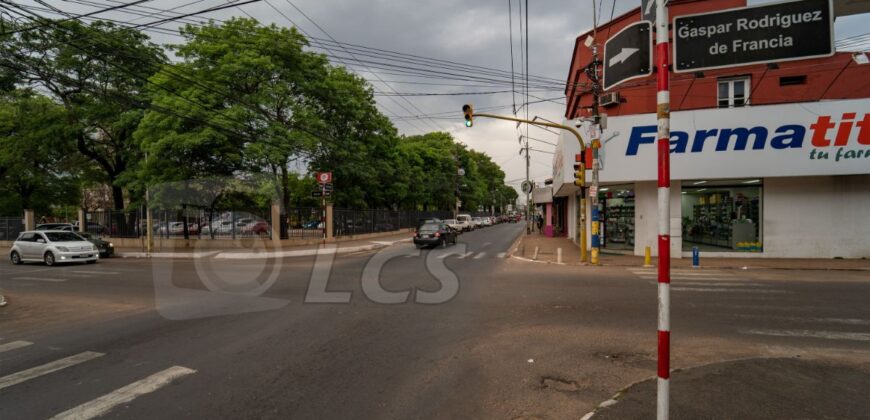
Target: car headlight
(63,249)
(111,245)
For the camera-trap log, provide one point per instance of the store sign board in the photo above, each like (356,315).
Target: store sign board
(815,138)
(766,33)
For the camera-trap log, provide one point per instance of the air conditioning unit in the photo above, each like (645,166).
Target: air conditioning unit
(609,99)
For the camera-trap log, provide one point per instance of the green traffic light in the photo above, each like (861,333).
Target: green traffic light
(468,123)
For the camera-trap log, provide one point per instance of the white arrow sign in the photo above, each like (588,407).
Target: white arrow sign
(622,56)
(649,7)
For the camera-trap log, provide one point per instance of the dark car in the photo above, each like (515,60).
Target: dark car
(106,248)
(435,234)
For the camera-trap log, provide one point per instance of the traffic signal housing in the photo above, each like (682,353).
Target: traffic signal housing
(469,114)
(579,171)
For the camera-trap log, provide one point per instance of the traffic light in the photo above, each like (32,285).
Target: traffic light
(579,171)
(469,115)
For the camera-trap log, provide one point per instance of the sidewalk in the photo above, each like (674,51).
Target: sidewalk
(548,251)
(750,389)
(342,247)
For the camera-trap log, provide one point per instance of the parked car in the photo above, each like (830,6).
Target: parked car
(69,227)
(464,221)
(453,223)
(92,227)
(476,222)
(52,247)
(105,248)
(434,234)
(487,221)
(257,227)
(421,222)
(313,224)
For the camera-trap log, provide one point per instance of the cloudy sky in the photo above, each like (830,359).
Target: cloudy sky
(465,32)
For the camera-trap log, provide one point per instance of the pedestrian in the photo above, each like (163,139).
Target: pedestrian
(540,222)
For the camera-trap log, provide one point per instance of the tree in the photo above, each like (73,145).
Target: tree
(35,161)
(98,73)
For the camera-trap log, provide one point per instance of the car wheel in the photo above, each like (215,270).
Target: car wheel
(49,259)
(92,262)
(15,258)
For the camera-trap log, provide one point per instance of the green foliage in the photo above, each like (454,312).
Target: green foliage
(35,161)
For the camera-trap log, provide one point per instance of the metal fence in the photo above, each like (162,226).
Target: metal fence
(10,227)
(356,222)
(203,223)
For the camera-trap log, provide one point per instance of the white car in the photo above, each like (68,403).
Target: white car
(476,222)
(52,247)
(487,221)
(454,224)
(464,222)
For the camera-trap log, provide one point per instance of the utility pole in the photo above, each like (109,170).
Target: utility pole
(663,114)
(592,72)
(528,194)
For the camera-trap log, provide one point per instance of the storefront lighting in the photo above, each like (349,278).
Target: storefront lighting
(752,181)
(604,189)
(702,189)
(699,182)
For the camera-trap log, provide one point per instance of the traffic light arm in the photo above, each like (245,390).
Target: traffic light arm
(538,123)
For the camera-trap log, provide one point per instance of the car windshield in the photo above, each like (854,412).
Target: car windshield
(63,237)
(450,221)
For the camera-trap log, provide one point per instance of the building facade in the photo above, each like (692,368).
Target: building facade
(768,160)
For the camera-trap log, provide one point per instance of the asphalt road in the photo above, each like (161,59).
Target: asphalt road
(129,338)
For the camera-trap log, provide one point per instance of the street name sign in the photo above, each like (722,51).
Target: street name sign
(772,32)
(628,54)
(321,193)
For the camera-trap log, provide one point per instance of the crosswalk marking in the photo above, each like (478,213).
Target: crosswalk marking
(14,345)
(479,256)
(123,395)
(830,335)
(108,273)
(723,289)
(40,279)
(35,372)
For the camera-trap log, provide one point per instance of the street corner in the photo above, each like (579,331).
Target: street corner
(765,388)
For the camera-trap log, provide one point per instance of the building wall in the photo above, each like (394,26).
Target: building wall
(817,217)
(646,225)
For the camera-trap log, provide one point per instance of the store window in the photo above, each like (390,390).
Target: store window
(723,216)
(617,215)
(733,92)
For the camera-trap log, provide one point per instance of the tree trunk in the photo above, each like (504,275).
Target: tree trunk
(285,201)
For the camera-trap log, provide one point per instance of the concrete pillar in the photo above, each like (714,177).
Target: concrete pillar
(329,222)
(29,220)
(83,224)
(276,222)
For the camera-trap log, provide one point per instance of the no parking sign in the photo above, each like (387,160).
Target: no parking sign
(324,177)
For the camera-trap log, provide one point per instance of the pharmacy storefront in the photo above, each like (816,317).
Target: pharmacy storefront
(787,181)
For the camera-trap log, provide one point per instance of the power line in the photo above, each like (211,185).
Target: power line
(96,12)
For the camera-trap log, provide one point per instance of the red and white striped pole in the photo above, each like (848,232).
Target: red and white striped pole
(663,113)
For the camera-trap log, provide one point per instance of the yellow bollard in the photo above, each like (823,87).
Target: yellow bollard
(647,258)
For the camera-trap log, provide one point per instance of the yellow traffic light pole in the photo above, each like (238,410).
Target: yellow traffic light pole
(469,115)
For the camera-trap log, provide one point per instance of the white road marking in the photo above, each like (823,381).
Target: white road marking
(479,256)
(486,244)
(830,335)
(39,279)
(108,273)
(35,372)
(410,255)
(725,290)
(502,254)
(445,255)
(123,395)
(14,345)
(694,273)
(710,283)
(463,256)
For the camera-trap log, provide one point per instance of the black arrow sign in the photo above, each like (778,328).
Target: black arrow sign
(628,54)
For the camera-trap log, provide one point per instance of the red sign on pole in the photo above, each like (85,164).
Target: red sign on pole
(324,177)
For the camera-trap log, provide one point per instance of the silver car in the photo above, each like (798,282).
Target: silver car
(52,247)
